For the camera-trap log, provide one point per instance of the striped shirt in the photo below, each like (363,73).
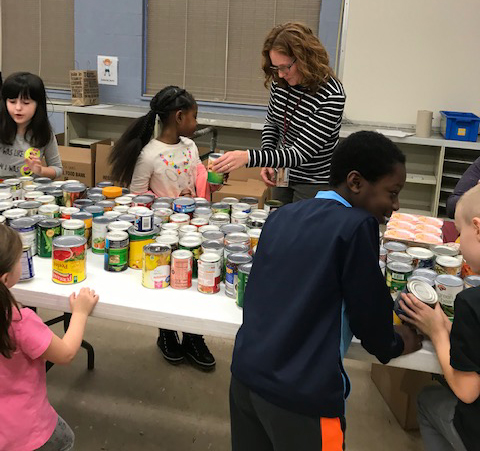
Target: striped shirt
(313,126)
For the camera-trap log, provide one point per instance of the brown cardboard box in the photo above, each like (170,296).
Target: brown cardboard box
(102,166)
(399,388)
(239,189)
(244,174)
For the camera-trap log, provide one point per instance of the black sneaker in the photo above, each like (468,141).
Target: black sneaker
(170,346)
(197,352)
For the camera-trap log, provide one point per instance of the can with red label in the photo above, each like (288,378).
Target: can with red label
(209,273)
(182,267)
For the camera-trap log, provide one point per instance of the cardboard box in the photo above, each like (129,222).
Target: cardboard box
(102,166)
(399,388)
(244,174)
(84,87)
(239,189)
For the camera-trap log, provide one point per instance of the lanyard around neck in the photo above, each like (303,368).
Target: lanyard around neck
(286,124)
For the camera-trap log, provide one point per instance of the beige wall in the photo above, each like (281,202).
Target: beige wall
(406,55)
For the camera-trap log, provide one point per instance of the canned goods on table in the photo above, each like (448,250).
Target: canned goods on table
(15,188)
(252,201)
(448,265)
(422,258)
(239,217)
(43,181)
(243,275)
(242,206)
(180,219)
(82,203)
(421,290)
(471,281)
(447,288)
(14,213)
(272,205)
(73,192)
(200,202)
(193,245)
(69,259)
(399,257)
(104,184)
(95,210)
(157,205)
(32,207)
(186,229)
(163,213)
(168,200)
(26,229)
(116,251)
(123,209)
(429,274)
(112,192)
(51,211)
(127,217)
(254,235)
(209,228)
(73,227)
(99,232)
(231,276)
(144,200)
(67,212)
(119,226)
(171,240)
(5,196)
(260,215)
(199,222)
(6,205)
(213,236)
(209,273)
(123,201)
(233,228)
(184,205)
(46,199)
(220,207)
(215,178)
(32,195)
(87,219)
(143,219)
(96,197)
(112,214)
(107,205)
(156,266)
(397,275)
(394,246)
(230,201)
(47,230)
(138,240)
(28,271)
(203,212)
(26,180)
(443,250)
(241,238)
(219,219)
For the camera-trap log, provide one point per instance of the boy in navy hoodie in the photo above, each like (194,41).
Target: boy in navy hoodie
(315,281)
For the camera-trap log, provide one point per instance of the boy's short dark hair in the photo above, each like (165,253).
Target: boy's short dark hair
(371,154)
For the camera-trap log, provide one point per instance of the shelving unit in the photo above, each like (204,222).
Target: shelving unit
(434,165)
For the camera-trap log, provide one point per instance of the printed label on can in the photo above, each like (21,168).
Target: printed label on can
(69,265)
(209,276)
(136,252)
(181,276)
(45,240)
(242,285)
(156,270)
(27,265)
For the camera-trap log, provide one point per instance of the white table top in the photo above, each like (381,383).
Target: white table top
(123,298)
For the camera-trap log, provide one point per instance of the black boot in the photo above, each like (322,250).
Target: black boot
(197,352)
(170,346)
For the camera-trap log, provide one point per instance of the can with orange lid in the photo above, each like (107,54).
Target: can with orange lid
(111,192)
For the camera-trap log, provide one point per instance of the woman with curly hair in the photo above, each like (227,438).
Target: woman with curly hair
(303,117)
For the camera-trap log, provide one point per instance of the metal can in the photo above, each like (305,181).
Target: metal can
(421,290)
(203,212)
(104,184)
(254,235)
(6,196)
(32,207)
(171,240)
(231,276)
(400,257)
(199,222)
(15,188)
(230,201)
(47,230)
(123,209)
(73,227)
(448,265)
(382,265)
(167,200)
(69,258)
(163,213)
(272,205)
(157,205)
(397,275)
(242,206)
(383,254)
(220,207)
(119,226)
(186,229)
(447,288)
(116,251)
(3,220)
(193,245)
(429,274)
(127,217)
(243,275)
(51,211)
(233,228)
(43,181)
(67,212)
(73,192)
(107,205)
(252,201)
(96,197)
(394,246)
(241,238)
(170,226)
(219,219)
(181,269)
(239,217)
(144,200)
(26,229)
(46,199)
(180,219)
(99,232)
(443,250)
(26,180)
(6,205)
(28,271)
(94,210)
(209,273)
(87,219)
(200,202)
(123,201)
(422,258)
(82,203)
(33,195)
(471,281)
(4,188)
(156,266)
(260,215)
(58,196)
(209,228)
(253,223)
(14,213)
(215,178)
(184,205)
(143,220)
(213,236)
(112,214)
(137,242)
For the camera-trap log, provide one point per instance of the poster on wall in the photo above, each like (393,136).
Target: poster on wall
(107,70)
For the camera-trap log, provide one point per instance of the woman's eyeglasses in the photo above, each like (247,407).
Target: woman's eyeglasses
(283,69)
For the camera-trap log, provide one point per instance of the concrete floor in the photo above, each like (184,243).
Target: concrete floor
(134,400)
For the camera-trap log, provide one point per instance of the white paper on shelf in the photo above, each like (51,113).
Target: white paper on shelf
(394,133)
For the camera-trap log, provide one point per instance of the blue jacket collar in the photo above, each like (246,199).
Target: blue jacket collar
(332,195)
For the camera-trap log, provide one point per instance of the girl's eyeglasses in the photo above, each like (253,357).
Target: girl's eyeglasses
(283,69)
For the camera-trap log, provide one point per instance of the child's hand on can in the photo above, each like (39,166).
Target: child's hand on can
(84,302)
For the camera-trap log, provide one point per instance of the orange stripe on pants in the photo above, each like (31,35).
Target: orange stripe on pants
(332,434)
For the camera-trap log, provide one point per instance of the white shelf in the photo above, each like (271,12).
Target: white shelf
(421,179)
(451,175)
(458,160)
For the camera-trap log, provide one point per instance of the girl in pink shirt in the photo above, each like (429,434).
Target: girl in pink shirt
(27,419)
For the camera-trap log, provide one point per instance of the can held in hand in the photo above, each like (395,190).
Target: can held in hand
(69,259)
(156,266)
(215,178)
(47,230)
(181,269)
(116,251)
(243,275)
(209,273)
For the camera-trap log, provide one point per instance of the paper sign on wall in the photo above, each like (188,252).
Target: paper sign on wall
(107,70)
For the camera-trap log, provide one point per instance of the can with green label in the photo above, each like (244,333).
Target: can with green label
(215,178)
(47,230)
(116,251)
(243,274)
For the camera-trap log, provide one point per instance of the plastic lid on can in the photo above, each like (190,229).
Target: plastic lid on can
(420,252)
(422,291)
(399,267)
(443,250)
(395,246)
(238,258)
(227,229)
(73,224)
(156,248)
(69,241)
(23,223)
(117,235)
(182,254)
(112,192)
(449,262)
(449,280)
(210,257)
(246,268)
